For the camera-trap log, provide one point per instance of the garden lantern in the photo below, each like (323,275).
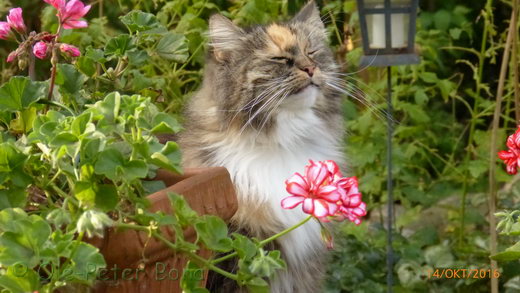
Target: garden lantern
(388,32)
(388,35)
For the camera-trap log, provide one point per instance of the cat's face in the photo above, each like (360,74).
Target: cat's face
(265,69)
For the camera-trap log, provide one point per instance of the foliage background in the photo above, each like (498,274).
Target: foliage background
(444,108)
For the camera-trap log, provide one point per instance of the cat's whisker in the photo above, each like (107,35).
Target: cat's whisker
(257,112)
(380,114)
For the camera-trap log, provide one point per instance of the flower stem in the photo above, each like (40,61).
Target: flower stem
(265,241)
(276,236)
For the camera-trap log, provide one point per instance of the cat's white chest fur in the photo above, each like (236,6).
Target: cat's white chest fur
(259,166)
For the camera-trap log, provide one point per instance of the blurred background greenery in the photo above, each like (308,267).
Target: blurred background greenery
(444,108)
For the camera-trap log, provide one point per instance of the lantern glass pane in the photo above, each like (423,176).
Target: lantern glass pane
(377,33)
(400,29)
(400,3)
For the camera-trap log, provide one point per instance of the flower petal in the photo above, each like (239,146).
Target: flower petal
(308,205)
(321,208)
(292,201)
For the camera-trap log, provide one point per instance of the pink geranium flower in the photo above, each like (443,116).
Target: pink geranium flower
(15,20)
(5,30)
(324,193)
(314,189)
(70,13)
(40,50)
(70,50)
(512,156)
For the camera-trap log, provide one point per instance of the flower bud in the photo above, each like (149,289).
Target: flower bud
(327,237)
(70,50)
(58,217)
(12,56)
(22,62)
(40,50)
(93,223)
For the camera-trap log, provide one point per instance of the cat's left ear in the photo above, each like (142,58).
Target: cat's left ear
(225,37)
(310,14)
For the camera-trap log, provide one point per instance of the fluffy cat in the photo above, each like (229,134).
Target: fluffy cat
(267,105)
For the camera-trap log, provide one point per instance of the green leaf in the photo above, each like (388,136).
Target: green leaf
(96,55)
(20,279)
(79,124)
(87,262)
(415,112)
(506,256)
(168,158)
(85,192)
(173,47)
(192,276)
(20,93)
(107,163)
(24,121)
(63,138)
(112,164)
(108,108)
(138,21)
(257,285)
(69,79)
(86,65)
(119,45)
(107,197)
(420,97)
(429,77)
(165,123)
(442,19)
(266,265)
(245,248)
(12,198)
(455,33)
(213,232)
(446,88)
(24,243)
(184,214)
(135,169)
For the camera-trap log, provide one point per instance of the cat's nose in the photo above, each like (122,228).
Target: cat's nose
(309,70)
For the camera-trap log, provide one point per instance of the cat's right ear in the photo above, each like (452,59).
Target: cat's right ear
(224,37)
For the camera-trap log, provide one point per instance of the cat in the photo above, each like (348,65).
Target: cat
(267,105)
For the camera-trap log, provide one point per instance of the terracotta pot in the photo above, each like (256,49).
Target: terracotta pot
(136,263)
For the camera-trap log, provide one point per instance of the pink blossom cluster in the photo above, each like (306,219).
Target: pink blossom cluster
(14,22)
(324,192)
(511,157)
(69,17)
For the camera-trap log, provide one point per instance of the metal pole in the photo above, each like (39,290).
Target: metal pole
(389,184)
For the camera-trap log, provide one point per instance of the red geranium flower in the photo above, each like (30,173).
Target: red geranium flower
(512,156)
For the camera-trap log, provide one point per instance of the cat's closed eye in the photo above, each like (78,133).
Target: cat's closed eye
(284,59)
(312,52)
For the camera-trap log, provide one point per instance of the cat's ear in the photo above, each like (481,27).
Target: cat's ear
(310,14)
(224,36)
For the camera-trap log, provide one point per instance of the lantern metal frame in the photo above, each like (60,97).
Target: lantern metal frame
(388,56)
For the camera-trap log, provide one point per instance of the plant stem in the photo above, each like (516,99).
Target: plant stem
(478,86)
(31,71)
(193,256)
(276,236)
(514,62)
(493,150)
